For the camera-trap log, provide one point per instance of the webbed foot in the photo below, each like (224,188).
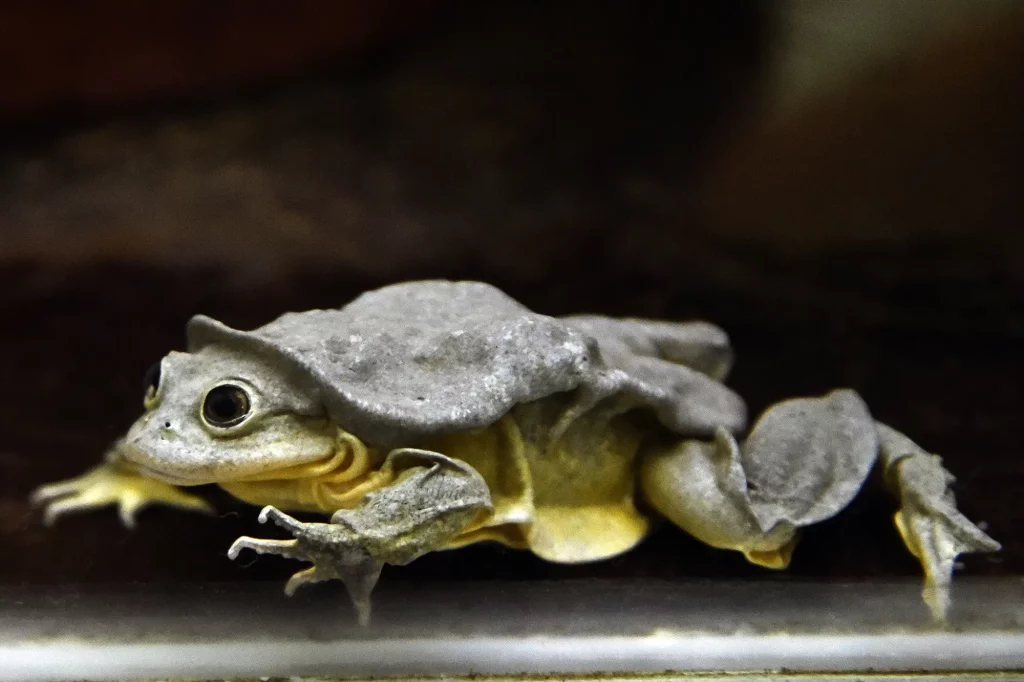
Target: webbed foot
(932,528)
(434,499)
(111,482)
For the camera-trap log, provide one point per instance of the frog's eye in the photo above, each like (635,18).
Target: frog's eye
(226,405)
(151,382)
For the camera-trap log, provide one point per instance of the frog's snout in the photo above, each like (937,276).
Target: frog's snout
(131,452)
(154,444)
(147,457)
(150,425)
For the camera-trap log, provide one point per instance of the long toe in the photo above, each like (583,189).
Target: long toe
(285,548)
(306,577)
(51,491)
(279,518)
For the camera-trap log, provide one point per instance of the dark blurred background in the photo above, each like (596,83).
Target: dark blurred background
(836,182)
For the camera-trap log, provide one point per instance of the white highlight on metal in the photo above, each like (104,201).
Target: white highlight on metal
(82,660)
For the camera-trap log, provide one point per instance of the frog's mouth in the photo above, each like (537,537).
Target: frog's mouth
(331,465)
(150,472)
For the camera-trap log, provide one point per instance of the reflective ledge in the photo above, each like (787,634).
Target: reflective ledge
(620,629)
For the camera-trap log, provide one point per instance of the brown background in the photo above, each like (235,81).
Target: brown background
(845,201)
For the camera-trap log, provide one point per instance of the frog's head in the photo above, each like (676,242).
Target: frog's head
(221,414)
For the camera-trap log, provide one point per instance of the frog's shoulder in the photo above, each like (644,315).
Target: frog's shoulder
(437,356)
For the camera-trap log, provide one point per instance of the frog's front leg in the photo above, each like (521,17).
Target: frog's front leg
(114,481)
(434,499)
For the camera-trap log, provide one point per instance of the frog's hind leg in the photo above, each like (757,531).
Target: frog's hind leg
(702,488)
(932,528)
(804,460)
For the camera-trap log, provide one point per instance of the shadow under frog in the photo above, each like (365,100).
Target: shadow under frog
(430,415)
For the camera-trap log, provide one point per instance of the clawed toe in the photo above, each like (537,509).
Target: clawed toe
(280,519)
(285,548)
(127,512)
(938,600)
(60,507)
(52,491)
(305,577)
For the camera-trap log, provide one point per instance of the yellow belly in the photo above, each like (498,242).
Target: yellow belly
(569,499)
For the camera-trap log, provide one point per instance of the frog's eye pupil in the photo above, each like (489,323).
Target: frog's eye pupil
(151,380)
(226,405)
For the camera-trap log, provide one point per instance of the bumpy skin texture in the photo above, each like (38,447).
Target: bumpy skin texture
(428,415)
(421,358)
(412,360)
(783,455)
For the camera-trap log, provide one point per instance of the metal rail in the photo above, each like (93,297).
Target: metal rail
(624,629)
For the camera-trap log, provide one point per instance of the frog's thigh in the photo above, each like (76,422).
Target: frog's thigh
(700,486)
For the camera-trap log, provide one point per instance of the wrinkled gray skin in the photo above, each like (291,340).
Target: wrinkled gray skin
(424,358)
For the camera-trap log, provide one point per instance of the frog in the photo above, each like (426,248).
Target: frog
(430,415)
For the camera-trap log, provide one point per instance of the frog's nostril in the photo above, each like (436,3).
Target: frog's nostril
(167,425)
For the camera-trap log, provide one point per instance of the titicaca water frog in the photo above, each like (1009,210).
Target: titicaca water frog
(430,415)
